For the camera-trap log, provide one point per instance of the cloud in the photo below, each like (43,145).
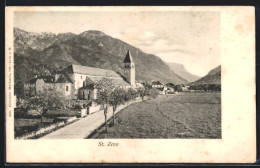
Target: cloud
(176,36)
(187,59)
(130,35)
(159,45)
(147,35)
(193,53)
(193,63)
(118,35)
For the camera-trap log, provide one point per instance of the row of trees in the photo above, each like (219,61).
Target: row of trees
(206,87)
(109,94)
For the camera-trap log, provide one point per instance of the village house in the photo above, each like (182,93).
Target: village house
(170,88)
(159,86)
(30,88)
(185,87)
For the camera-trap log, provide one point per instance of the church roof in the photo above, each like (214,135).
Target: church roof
(115,81)
(91,71)
(64,78)
(128,58)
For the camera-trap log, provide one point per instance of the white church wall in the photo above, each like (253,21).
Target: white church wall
(79,79)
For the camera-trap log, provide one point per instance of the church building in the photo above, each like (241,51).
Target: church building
(78,82)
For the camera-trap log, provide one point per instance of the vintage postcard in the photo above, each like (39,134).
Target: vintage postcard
(130,85)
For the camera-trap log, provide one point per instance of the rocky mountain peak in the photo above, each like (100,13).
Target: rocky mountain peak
(92,33)
(215,70)
(181,70)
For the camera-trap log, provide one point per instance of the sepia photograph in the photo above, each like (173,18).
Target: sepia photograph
(90,79)
(153,78)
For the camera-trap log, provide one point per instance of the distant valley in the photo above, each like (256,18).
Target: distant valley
(180,70)
(213,77)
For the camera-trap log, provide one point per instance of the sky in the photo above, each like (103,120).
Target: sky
(188,38)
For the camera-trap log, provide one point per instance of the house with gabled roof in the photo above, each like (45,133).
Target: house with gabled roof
(30,88)
(159,86)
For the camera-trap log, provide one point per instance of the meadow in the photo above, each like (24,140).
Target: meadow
(184,115)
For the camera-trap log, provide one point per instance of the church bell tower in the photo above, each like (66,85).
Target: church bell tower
(129,69)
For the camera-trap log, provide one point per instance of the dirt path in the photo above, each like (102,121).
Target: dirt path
(85,126)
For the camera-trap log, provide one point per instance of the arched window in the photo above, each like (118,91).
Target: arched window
(89,95)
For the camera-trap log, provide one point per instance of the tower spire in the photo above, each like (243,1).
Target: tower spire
(128,58)
(129,71)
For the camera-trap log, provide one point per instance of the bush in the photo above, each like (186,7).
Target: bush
(20,131)
(141,92)
(178,88)
(77,106)
(61,113)
(154,93)
(133,93)
(23,113)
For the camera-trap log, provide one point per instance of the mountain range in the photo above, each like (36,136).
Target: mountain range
(213,77)
(46,53)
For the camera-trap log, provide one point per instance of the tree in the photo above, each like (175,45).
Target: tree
(19,91)
(46,100)
(206,87)
(104,89)
(178,88)
(116,98)
(132,93)
(154,93)
(127,96)
(147,90)
(141,92)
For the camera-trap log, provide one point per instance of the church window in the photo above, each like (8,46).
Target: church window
(89,95)
(67,88)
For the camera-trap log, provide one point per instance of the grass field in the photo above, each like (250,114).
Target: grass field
(189,115)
